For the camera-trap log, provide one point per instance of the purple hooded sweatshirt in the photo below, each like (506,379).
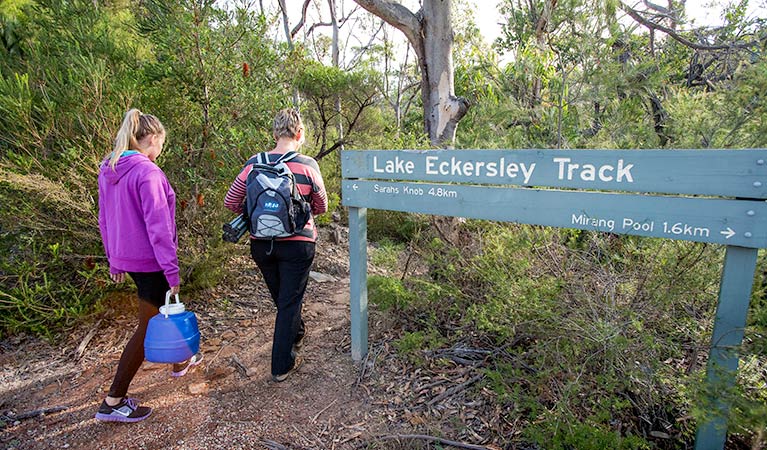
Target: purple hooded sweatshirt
(137,217)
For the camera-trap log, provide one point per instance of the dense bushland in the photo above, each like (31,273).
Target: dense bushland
(213,78)
(581,334)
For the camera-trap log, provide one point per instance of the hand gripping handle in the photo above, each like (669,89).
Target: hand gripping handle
(167,302)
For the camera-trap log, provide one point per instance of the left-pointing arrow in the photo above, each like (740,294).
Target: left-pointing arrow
(355,187)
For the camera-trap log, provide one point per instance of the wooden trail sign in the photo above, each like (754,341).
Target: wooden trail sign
(715,196)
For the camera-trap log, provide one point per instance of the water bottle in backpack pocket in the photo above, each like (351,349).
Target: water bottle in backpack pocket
(274,205)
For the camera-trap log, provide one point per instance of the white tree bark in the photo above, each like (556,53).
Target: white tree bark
(289,34)
(430,33)
(335,54)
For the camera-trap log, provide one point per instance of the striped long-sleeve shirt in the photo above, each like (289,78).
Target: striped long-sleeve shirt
(308,181)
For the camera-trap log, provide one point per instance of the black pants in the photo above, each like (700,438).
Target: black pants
(152,287)
(285,266)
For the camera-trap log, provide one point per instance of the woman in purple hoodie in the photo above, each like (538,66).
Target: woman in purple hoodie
(137,208)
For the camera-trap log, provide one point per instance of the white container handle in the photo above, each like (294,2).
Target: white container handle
(175,308)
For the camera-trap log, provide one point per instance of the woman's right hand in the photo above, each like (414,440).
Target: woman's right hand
(117,277)
(175,289)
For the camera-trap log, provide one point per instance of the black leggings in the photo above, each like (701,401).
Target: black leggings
(152,287)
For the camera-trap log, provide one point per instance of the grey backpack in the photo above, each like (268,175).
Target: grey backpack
(273,205)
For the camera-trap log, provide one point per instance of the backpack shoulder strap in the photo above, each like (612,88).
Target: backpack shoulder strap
(263,158)
(298,177)
(286,157)
(255,159)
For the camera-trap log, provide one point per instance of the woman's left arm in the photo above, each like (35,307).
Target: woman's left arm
(319,197)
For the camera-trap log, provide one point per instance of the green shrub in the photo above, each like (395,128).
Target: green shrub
(63,92)
(50,272)
(386,255)
(61,97)
(589,329)
(44,289)
(396,226)
(413,344)
(388,293)
(553,434)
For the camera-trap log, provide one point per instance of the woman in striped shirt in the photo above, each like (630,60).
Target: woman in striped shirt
(285,262)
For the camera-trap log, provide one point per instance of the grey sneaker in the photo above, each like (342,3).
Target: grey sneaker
(125,411)
(296,364)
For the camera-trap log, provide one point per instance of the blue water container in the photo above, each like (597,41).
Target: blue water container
(172,336)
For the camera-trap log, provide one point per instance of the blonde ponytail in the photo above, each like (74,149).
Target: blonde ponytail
(135,126)
(126,136)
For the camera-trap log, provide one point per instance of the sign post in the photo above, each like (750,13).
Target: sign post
(714,196)
(358,281)
(729,324)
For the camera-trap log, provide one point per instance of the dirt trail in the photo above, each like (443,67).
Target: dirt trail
(227,402)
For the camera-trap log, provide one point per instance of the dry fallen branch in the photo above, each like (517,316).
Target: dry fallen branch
(432,385)
(271,445)
(454,390)
(30,414)
(86,340)
(461,354)
(364,370)
(425,438)
(246,303)
(314,419)
(239,365)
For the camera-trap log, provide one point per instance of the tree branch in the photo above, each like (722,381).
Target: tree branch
(368,101)
(454,389)
(659,8)
(329,150)
(317,25)
(300,24)
(342,21)
(397,16)
(364,48)
(636,15)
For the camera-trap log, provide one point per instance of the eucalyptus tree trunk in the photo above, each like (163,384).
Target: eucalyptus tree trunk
(542,24)
(430,32)
(202,74)
(395,99)
(336,63)
(289,38)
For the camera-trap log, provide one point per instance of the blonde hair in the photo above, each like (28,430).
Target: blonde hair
(287,123)
(135,127)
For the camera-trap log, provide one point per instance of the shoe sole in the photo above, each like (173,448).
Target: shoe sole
(181,373)
(281,378)
(112,418)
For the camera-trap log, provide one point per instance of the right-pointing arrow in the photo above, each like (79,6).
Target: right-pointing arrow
(728,233)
